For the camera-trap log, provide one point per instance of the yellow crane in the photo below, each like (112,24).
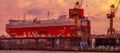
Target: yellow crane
(111,15)
(75,14)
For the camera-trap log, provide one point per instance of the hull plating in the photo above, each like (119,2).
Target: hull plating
(46,31)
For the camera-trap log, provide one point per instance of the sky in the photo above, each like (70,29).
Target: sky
(96,10)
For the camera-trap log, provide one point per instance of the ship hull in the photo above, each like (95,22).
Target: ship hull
(40,31)
(46,31)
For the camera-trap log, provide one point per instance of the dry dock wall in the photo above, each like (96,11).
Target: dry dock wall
(58,43)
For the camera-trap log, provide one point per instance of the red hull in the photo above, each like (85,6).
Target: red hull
(42,31)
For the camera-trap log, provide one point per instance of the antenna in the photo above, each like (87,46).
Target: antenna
(48,15)
(18,17)
(24,17)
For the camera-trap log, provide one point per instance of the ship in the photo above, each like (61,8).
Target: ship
(44,28)
(58,29)
(61,27)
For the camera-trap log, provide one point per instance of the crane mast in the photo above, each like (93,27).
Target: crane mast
(75,14)
(110,16)
(76,29)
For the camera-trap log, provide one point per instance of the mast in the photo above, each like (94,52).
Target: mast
(48,15)
(24,17)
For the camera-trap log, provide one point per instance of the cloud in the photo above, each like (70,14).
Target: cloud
(97,9)
(35,11)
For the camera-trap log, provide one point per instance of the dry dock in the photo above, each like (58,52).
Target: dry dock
(58,44)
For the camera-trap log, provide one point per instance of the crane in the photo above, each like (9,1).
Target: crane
(75,14)
(111,15)
(76,29)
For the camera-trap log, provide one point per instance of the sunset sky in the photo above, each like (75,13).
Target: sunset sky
(96,10)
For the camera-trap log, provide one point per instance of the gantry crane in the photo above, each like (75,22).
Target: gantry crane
(111,15)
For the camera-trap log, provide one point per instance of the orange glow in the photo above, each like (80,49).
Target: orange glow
(23,3)
(106,5)
(39,8)
(68,35)
(60,1)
